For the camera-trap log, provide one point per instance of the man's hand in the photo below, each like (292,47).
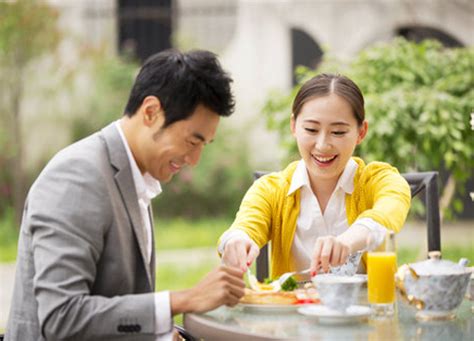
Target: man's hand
(224,285)
(329,251)
(240,253)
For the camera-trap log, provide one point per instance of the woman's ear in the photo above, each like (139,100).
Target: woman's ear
(362,131)
(293,124)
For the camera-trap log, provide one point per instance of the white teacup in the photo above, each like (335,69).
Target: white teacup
(338,292)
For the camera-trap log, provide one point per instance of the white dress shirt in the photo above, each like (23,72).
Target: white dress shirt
(148,188)
(312,223)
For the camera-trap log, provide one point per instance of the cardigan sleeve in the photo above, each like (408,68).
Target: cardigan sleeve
(387,194)
(255,213)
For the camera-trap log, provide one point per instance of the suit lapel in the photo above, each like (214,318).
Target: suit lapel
(126,186)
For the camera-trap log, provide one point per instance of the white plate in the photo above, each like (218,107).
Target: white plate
(269,308)
(326,315)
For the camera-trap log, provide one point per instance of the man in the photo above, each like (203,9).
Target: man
(85,266)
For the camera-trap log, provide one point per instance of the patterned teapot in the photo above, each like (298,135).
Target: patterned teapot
(435,287)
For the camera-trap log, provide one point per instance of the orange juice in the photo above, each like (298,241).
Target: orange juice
(381,277)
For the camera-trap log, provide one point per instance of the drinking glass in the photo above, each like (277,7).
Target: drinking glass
(381,279)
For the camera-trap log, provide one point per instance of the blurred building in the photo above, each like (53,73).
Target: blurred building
(259,41)
(262,41)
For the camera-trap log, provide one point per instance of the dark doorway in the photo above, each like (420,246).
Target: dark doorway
(420,33)
(305,51)
(144,27)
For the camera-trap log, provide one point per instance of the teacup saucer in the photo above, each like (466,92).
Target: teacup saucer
(353,314)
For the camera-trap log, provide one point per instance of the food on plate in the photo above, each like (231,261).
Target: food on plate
(297,296)
(289,285)
(268,284)
(268,297)
(270,292)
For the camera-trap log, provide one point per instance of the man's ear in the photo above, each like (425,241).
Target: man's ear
(362,131)
(293,124)
(151,111)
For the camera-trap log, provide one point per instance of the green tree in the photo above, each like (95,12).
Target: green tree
(418,100)
(27,31)
(111,78)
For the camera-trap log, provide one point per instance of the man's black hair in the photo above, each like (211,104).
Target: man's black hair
(182,81)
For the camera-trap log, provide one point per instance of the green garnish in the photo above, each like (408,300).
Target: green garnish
(289,285)
(267,280)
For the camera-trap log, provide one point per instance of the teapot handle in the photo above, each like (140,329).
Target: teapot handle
(463,262)
(406,270)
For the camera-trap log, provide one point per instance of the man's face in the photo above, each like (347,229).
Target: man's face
(162,152)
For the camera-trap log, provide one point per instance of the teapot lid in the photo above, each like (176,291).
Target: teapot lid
(437,266)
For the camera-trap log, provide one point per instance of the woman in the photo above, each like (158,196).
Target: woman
(328,205)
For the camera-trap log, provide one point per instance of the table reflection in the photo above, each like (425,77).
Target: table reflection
(238,323)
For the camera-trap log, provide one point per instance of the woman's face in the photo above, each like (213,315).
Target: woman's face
(327,133)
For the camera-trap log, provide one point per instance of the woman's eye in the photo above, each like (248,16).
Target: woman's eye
(311,130)
(339,133)
(192,143)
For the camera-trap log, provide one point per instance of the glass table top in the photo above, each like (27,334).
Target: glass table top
(254,324)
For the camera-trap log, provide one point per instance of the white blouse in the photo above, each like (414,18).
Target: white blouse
(312,223)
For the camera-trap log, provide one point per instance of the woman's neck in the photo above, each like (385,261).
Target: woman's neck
(323,189)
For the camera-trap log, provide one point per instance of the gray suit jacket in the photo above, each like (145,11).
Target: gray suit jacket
(81,271)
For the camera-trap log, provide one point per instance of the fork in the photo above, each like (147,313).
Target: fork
(253,282)
(284,277)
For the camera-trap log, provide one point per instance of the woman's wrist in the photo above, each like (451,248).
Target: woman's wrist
(355,238)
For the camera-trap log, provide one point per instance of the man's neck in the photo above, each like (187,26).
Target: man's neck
(129,129)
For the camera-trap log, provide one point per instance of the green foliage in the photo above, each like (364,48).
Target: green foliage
(112,80)
(27,30)
(181,233)
(177,277)
(418,98)
(215,187)
(8,236)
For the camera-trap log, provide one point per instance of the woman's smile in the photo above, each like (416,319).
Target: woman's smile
(324,161)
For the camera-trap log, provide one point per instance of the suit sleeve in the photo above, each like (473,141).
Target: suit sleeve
(68,216)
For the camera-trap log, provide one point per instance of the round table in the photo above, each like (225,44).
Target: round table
(241,324)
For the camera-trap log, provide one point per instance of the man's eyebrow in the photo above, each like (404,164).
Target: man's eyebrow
(201,138)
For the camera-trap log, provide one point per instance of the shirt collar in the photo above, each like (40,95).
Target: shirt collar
(300,178)
(146,186)
(345,182)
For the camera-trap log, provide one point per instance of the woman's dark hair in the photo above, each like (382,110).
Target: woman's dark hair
(182,81)
(326,84)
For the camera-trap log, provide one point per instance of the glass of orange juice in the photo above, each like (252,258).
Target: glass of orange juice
(381,268)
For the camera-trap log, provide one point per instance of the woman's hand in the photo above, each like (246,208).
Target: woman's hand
(240,253)
(329,251)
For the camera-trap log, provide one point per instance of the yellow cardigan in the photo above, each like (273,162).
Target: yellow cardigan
(268,213)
